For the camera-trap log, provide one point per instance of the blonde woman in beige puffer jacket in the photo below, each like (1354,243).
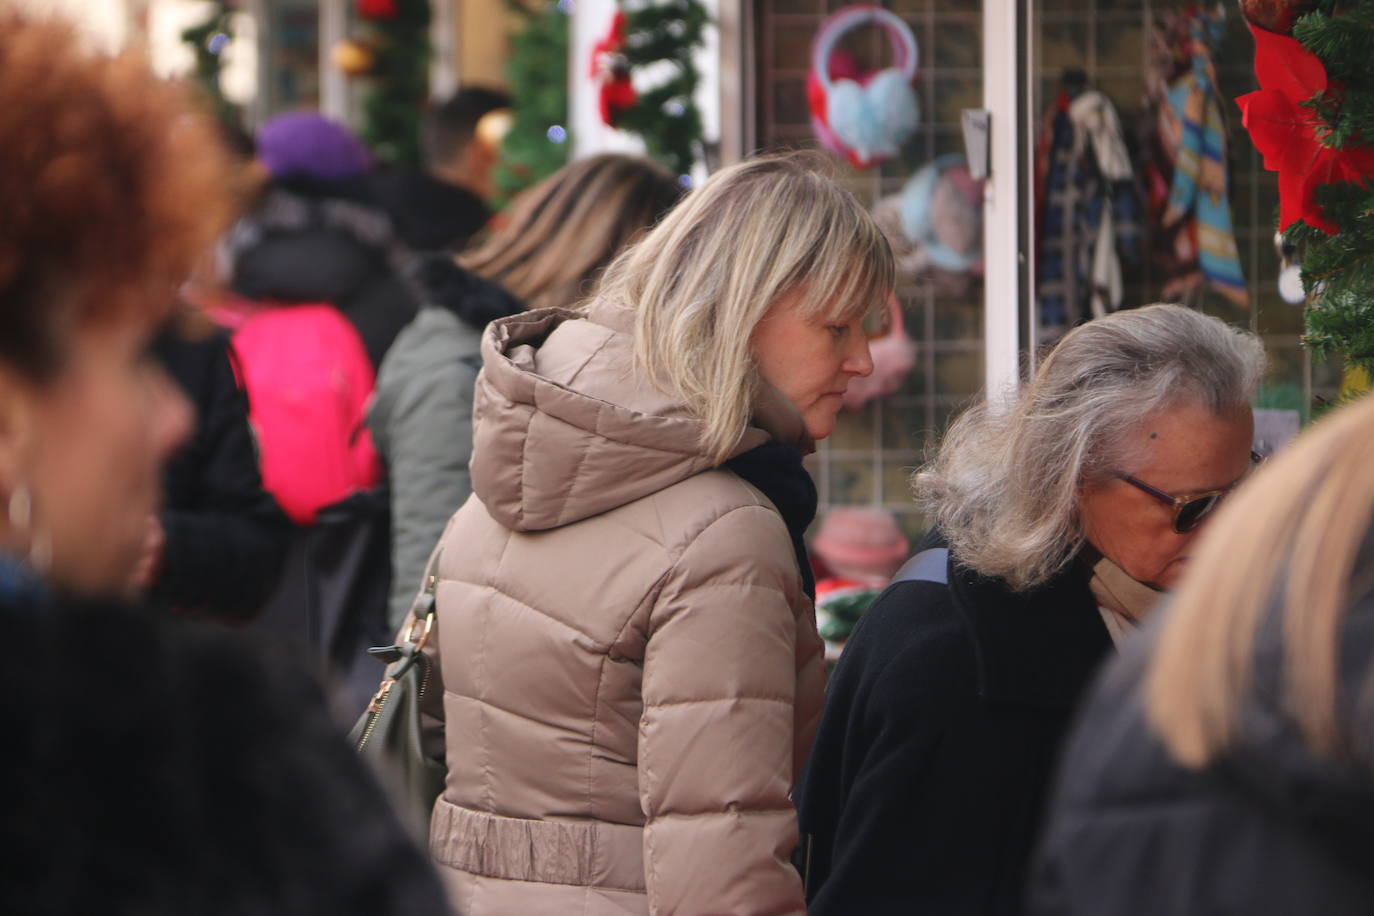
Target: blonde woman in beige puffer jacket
(627,673)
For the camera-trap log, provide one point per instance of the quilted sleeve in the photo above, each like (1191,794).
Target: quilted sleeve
(716,737)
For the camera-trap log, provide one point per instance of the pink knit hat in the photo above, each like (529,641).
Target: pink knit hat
(860,541)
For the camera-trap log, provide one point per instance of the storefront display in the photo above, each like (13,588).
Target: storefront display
(1312,119)
(865,117)
(1087,207)
(1150,138)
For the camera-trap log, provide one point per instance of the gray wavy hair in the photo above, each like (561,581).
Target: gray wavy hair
(1004,484)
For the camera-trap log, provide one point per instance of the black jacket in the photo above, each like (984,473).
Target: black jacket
(430,215)
(308,241)
(926,783)
(1270,829)
(162,767)
(225,535)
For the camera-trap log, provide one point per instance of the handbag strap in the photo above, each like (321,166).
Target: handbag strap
(406,654)
(423,607)
(931,565)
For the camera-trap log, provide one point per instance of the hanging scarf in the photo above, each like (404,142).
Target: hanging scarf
(1087,209)
(1122,601)
(1193,127)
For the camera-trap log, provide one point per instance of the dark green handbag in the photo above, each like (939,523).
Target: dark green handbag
(388,733)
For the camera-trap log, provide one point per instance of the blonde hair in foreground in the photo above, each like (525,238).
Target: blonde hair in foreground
(702,279)
(1297,526)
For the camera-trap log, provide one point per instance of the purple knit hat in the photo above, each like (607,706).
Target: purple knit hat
(306,143)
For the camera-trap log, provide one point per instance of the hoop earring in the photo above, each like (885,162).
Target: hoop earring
(20,512)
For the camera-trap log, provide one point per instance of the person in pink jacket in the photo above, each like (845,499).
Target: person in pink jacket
(625,672)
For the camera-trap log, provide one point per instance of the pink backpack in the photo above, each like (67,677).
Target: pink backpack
(308,380)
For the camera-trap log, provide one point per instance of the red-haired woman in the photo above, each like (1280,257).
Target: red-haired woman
(148,767)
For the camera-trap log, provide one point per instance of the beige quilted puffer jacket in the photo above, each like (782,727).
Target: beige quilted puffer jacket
(630,670)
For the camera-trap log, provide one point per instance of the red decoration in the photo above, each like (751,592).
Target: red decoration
(1275,15)
(613,43)
(617,96)
(1287,134)
(377,9)
(609,67)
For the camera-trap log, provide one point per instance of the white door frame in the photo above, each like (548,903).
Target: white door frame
(1009,320)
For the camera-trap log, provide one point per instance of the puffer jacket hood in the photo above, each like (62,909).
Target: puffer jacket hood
(553,386)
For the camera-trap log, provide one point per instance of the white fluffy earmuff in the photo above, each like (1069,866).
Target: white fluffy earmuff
(866,120)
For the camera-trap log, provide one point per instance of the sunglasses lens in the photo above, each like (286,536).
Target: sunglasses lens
(1193,512)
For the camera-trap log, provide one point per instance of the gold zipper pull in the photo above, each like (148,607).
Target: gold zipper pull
(378,698)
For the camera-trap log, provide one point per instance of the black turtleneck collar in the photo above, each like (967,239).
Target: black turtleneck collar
(777,470)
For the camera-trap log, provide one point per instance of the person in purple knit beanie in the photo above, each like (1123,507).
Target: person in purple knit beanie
(308,144)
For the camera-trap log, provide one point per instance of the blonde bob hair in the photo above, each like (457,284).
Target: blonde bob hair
(1275,576)
(701,280)
(1004,486)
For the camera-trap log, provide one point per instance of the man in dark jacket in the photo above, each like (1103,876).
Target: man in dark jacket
(927,779)
(444,206)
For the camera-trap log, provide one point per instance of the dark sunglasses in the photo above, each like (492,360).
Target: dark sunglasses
(1192,508)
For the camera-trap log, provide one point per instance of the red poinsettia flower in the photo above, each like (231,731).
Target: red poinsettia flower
(1286,133)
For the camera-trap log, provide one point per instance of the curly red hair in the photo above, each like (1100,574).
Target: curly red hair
(112,184)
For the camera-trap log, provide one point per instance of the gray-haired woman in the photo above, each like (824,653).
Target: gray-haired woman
(1057,521)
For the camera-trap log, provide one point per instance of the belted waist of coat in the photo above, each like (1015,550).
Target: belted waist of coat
(584,853)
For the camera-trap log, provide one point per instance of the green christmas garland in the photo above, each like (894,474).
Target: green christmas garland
(666,116)
(1338,269)
(207,42)
(538,142)
(399,83)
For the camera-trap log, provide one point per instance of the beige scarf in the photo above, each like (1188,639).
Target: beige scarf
(1122,601)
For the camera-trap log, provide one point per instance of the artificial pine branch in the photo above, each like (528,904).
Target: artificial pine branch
(1338,270)
(537,75)
(667,116)
(399,84)
(1344,43)
(209,60)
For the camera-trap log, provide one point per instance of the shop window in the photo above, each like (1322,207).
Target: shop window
(1114,44)
(1109,44)
(874,448)
(291,39)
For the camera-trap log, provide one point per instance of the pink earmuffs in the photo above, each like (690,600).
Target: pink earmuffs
(868,119)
